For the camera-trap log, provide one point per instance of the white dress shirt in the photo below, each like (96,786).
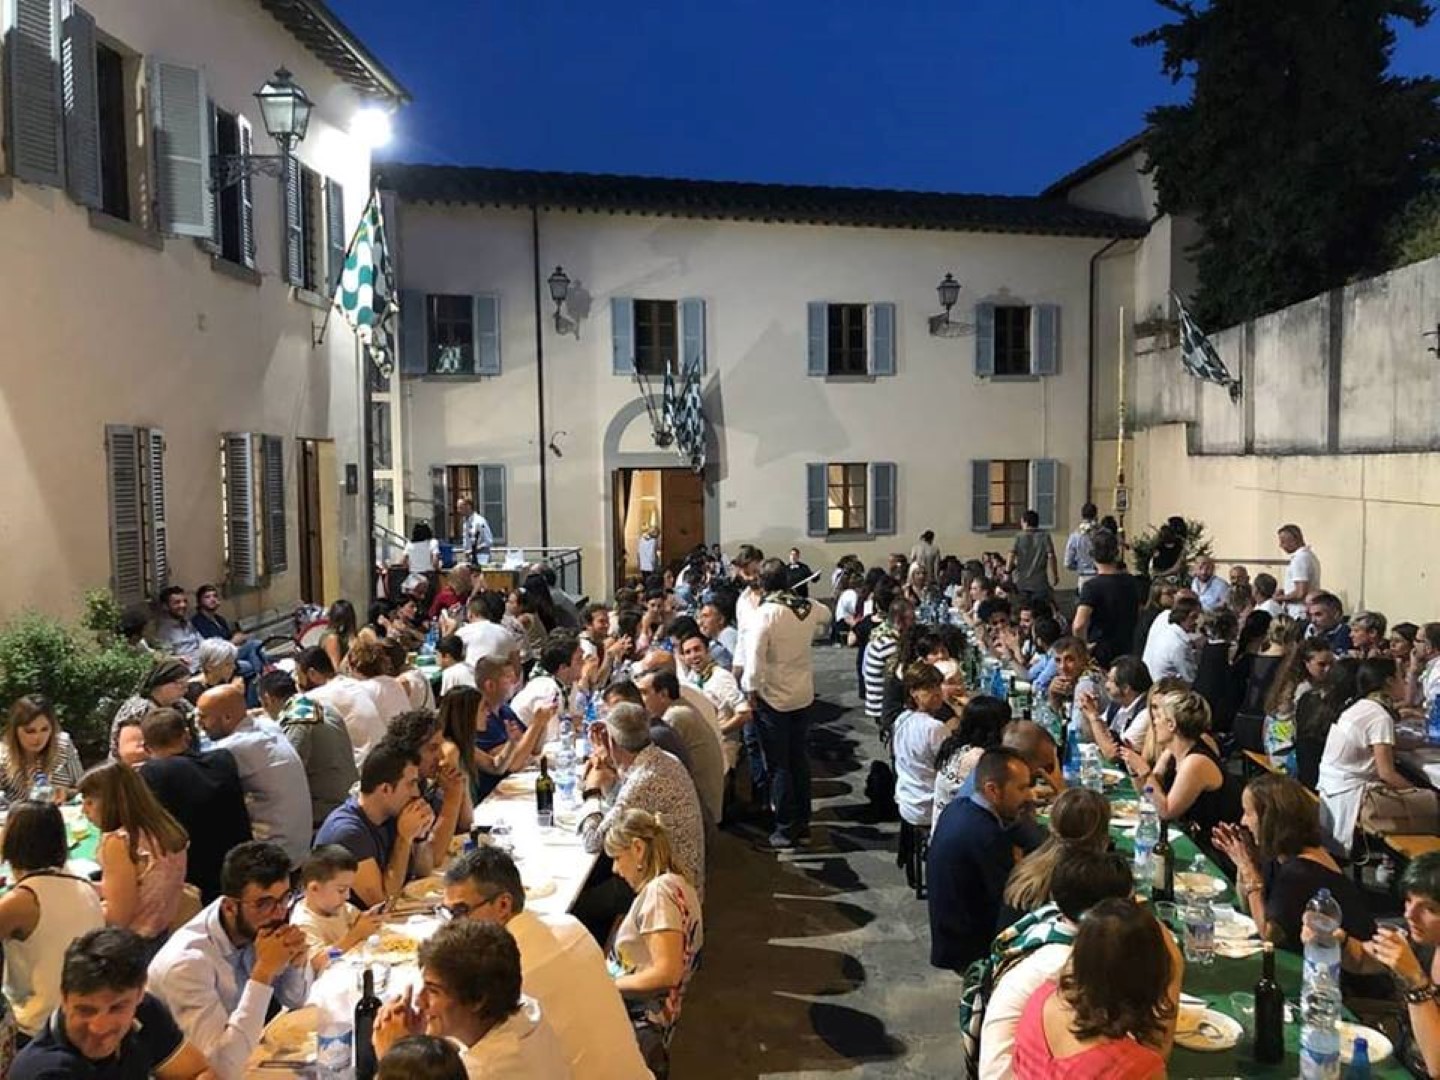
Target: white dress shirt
(1173,653)
(781,669)
(204,980)
(356,707)
(747,614)
(524,1047)
(277,791)
(1303,566)
(564,970)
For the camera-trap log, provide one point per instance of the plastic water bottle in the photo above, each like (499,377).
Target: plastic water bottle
(1091,774)
(1147,831)
(432,638)
(1323,917)
(1432,721)
(335,1034)
(1319,1028)
(40,789)
(565,776)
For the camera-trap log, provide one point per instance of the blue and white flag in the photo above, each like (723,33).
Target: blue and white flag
(1200,356)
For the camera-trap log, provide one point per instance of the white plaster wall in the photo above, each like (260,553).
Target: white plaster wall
(100,329)
(1123,188)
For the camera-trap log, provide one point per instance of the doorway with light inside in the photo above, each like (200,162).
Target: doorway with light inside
(668,503)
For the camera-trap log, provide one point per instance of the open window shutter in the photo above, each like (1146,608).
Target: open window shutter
(1045,326)
(817,504)
(214,242)
(127,546)
(492,500)
(272,463)
(33,138)
(882,339)
(980,496)
(622,336)
(414,333)
(335,237)
(817,319)
(182,148)
(440,501)
(247,197)
(294,225)
(882,498)
(157,528)
(240,514)
(487,334)
(692,335)
(79,98)
(1044,489)
(985,340)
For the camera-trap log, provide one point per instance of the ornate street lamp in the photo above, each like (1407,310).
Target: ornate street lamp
(285,111)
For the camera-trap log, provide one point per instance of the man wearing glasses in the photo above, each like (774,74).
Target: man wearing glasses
(218,973)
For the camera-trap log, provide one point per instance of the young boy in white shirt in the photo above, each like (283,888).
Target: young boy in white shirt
(454,671)
(324,912)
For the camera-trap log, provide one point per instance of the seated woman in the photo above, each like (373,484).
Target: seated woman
(46,910)
(163,687)
(1079,820)
(142,852)
(655,947)
(982,721)
(462,719)
(915,741)
(218,660)
(1112,1013)
(1418,975)
(33,744)
(1187,782)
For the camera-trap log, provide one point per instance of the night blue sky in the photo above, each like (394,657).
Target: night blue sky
(977,95)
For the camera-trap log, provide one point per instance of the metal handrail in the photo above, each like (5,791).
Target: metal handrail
(567,562)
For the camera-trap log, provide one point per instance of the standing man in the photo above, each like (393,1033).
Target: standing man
(780,680)
(1078,556)
(1302,573)
(1032,560)
(799,575)
(1210,590)
(927,555)
(647,553)
(475,536)
(1109,601)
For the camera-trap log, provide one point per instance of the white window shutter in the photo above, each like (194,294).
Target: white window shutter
(277,538)
(335,236)
(292,222)
(817,325)
(486,328)
(34,143)
(214,243)
(882,498)
(692,335)
(622,336)
(492,500)
(157,562)
(817,500)
(241,518)
(127,544)
(182,148)
(1045,331)
(1044,490)
(980,496)
(247,197)
(80,104)
(882,339)
(440,502)
(985,341)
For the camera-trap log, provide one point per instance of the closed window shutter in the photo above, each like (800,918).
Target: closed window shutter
(1045,327)
(985,340)
(157,529)
(817,322)
(692,335)
(817,516)
(487,334)
(980,496)
(335,238)
(182,148)
(272,463)
(492,500)
(247,197)
(414,333)
(882,498)
(293,223)
(440,501)
(79,92)
(33,140)
(882,339)
(622,335)
(127,545)
(240,513)
(1044,489)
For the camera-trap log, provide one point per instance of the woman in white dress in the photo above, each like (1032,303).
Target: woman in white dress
(1360,749)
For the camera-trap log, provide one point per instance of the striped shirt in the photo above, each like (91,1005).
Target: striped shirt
(879,658)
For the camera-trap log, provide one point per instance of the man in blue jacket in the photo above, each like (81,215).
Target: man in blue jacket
(972,852)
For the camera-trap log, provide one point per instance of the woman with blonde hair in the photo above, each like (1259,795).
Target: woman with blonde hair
(1187,782)
(655,946)
(34,743)
(1080,819)
(142,851)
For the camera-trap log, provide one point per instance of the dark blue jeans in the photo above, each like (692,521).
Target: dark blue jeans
(784,737)
(755,755)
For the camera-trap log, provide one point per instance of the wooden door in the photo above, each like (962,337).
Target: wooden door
(312,557)
(619,499)
(682,513)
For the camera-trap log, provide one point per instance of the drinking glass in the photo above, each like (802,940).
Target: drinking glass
(1167,913)
(1242,1007)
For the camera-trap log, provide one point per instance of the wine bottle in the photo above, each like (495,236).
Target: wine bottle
(366,1010)
(1269,1013)
(1162,858)
(544,792)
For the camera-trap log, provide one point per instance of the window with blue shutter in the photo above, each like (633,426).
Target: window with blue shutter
(882,498)
(335,235)
(882,339)
(985,341)
(492,501)
(414,333)
(80,104)
(1045,490)
(127,543)
(1047,339)
(272,487)
(817,320)
(487,334)
(622,335)
(816,523)
(692,335)
(980,495)
(182,148)
(34,143)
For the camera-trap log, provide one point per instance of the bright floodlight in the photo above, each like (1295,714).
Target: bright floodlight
(371,126)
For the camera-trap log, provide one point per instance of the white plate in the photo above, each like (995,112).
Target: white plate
(1237,949)
(1216,1031)
(1201,884)
(518,784)
(1234,926)
(292,1034)
(1378,1045)
(539,889)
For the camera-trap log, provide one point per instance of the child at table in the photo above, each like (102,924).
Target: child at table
(324,913)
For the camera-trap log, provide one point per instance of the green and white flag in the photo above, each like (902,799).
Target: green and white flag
(366,293)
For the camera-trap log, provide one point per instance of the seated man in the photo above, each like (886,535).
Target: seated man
(470,994)
(106,1018)
(560,663)
(442,787)
(561,966)
(220,971)
(660,695)
(316,678)
(380,825)
(209,623)
(172,632)
(319,737)
(277,793)
(202,792)
(732,707)
(972,851)
(661,733)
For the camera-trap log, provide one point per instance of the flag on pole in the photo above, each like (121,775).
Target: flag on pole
(1200,356)
(366,291)
(690,423)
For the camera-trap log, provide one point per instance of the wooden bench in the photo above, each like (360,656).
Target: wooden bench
(1263,763)
(1411,845)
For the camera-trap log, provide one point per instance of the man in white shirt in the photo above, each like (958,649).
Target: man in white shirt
(648,551)
(482,633)
(219,972)
(316,678)
(561,661)
(561,966)
(1302,572)
(476,539)
(470,994)
(1211,591)
(1173,649)
(780,679)
(732,707)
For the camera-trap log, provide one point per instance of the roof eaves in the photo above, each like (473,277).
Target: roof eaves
(316,27)
(1094,167)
